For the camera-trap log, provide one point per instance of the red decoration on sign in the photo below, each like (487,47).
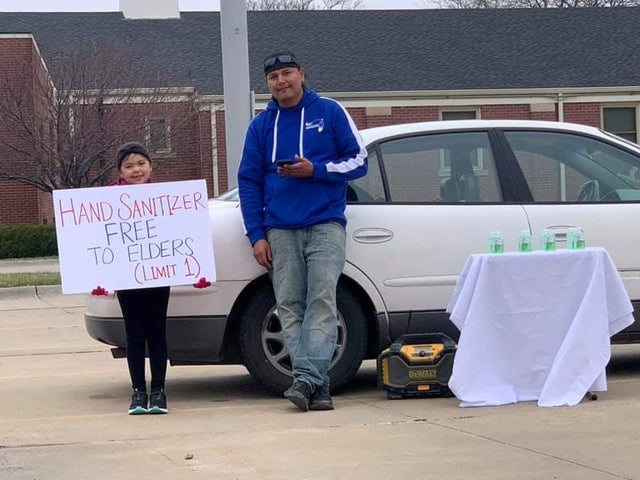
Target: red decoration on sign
(202,283)
(99,292)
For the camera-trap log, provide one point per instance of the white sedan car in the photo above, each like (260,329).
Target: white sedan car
(433,194)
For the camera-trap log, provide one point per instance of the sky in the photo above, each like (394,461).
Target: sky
(185,5)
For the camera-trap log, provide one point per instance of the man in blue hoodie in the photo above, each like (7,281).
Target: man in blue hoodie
(298,156)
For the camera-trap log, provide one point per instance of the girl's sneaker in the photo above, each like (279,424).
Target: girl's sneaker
(158,402)
(139,401)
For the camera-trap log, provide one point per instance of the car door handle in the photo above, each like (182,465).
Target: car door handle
(561,236)
(372,235)
(560,232)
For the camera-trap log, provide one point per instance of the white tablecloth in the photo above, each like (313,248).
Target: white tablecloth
(535,326)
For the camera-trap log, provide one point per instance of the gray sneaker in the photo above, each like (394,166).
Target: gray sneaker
(158,402)
(139,401)
(321,399)
(299,394)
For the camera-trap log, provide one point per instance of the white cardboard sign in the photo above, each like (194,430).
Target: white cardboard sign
(134,236)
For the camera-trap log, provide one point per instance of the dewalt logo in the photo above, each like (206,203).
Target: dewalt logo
(422,374)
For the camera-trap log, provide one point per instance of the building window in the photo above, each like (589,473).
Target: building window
(459,115)
(445,161)
(621,121)
(159,135)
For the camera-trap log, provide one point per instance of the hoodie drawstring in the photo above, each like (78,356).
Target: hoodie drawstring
(275,137)
(300,142)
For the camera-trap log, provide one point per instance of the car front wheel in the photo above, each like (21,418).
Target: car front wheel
(266,356)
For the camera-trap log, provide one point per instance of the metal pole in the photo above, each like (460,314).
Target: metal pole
(235,75)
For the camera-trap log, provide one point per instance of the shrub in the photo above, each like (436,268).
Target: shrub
(26,241)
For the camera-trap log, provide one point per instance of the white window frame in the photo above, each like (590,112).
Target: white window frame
(622,105)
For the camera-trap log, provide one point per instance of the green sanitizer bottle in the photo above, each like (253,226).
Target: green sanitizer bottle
(548,240)
(571,238)
(496,242)
(525,241)
(579,240)
(575,238)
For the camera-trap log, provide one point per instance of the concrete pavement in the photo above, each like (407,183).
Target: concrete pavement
(63,416)
(29,265)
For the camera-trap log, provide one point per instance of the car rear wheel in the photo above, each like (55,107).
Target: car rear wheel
(267,358)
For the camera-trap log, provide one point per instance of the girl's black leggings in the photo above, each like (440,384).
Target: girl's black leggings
(145,320)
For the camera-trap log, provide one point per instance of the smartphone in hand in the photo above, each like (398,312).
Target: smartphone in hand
(285,161)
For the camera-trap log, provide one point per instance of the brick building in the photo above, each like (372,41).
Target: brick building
(386,67)
(20,62)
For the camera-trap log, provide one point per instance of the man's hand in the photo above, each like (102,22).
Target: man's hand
(301,168)
(262,253)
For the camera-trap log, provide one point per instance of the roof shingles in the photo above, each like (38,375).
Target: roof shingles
(369,50)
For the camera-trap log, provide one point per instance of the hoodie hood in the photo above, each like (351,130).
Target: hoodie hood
(308,98)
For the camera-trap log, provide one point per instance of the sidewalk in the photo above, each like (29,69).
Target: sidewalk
(29,265)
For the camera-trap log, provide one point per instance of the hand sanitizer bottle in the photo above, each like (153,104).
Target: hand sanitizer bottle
(548,240)
(496,243)
(525,241)
(571,238)
(579,240)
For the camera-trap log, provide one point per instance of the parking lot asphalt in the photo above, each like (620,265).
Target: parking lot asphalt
(63,402)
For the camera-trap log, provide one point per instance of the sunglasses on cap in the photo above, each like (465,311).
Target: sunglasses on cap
(271,61)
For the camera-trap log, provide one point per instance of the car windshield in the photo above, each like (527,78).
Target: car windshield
(230,196)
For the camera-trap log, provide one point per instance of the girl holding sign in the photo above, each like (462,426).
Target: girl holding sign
(145,309)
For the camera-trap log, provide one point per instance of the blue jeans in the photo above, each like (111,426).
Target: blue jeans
(306,265)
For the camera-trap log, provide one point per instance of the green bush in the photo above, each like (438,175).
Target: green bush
(27,241)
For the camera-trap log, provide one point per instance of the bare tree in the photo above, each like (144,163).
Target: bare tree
(341,4)
(61,129)
(303,4)
(536,3)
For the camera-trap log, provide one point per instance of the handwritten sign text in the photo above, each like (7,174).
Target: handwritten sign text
(133,236)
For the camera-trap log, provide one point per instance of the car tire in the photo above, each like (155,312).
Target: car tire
(266,357)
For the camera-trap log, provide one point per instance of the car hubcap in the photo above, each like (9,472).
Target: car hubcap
(276,351)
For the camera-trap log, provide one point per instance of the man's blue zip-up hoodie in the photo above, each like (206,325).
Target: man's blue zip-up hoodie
(319,129)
